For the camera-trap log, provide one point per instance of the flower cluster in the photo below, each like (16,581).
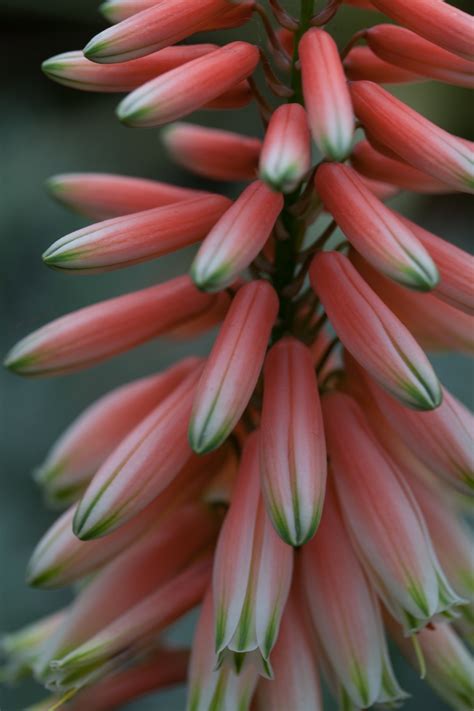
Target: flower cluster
(306,483)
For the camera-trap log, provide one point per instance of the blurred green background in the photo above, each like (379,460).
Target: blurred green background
(47,129)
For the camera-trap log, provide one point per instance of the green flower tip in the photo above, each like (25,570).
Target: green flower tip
(19,364)
(95,48)
(210,282)
(52,67)
(87,532)
(200,444)
(106,9)
(132,116)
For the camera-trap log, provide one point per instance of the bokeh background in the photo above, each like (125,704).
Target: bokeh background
(47,129)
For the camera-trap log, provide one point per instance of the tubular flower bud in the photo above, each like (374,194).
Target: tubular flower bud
(97,332)
(23,649)
(395,548)
(412,137)
(296,682)
(161,25)
(456,268)
(189,87)
(449,664)
(145,462)
(93,436)
(452,540)
(441,438)
(74,70)
(286,152)
(220,155)
(209,687)
(133,575)
(326,95)
(362,63)
(139,237)
(374,336)
(233,368)
(435,20)
(435,324)
(377,166)
(232,15)
(386,242)
(237,238)
(252,572)
(346,615)
(60,558)
(292,446)
(101,196)
(409,51)
(130,634)
(162,668)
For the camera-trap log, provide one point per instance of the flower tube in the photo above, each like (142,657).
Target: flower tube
(286,151)
(409,51)
(216,154)
(412,137)
(94,333)
(161,25)
(373,229)
(327,97)
(101,195)
(232,370)
(374,336)
(346,615)
(189,87)
(233,15)
(394,546)
(139,237)
(92,437)
(292,446)
(141,467)
(362,63)
(237,238)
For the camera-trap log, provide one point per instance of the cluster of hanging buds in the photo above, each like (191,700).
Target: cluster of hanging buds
(306,483)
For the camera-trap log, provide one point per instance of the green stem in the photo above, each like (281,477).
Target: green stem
(287,249)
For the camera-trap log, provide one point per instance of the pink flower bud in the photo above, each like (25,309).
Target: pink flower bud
(74,70)
(237,238)
(101,196)
(216,154)
(134,574)
(346,615)
(232,370)
(162,668)
(449,664)
(456,268)
(435,324)
(209,685)
(377,166)
(374,230)
(452,539)
(374,336)
(295,684)
(189,87)
(286,152)
(94,333)
(60,558)
(232,15)
(139,237)
(412,137)
(130,634)
(441,438)
(362,63)
(161,25)
(93,436)
(326,95)
(141,467)
(435,20)
(411,52)
(292,446)
(393,544)
(252,570)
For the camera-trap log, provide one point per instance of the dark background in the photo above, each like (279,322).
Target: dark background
(47,129)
